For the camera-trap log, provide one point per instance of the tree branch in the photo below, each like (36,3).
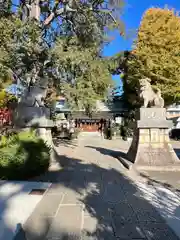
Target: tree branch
(106,12)
(49,19)
(68,8)
(58,12)
(164,79)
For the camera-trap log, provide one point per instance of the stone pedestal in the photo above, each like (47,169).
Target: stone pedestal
(151,148)
(38,118)
(31,115)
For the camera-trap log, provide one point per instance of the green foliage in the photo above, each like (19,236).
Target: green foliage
(89,21)
(6,99)
(86,75)
(23,155)
(7,27)
(67,53)
(156,55)
(2,99)
(23,51)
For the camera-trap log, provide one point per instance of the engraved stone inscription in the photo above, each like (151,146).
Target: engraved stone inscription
(152,114)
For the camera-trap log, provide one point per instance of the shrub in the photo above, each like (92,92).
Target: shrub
(23,155)
(6,99)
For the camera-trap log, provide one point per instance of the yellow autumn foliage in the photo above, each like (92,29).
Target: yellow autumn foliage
(157,52)
(5,98)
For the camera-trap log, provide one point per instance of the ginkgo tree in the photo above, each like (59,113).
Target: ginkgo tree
(155,54)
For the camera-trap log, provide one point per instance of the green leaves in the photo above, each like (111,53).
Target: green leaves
(71,46)
(20,47)
(23,155)
(83,75)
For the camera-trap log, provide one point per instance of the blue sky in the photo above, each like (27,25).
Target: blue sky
(131,17)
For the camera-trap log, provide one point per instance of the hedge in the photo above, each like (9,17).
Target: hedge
(23,155)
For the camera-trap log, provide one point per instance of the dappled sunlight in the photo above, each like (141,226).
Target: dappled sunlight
(166,201)
(16,205)
(94,198)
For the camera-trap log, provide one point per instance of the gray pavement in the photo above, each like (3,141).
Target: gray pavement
(92,197)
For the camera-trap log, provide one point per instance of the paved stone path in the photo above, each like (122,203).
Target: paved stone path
(93,198)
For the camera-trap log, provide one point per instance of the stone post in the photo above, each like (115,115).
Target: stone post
(151,148)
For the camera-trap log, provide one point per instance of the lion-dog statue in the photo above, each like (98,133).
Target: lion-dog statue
(150,97)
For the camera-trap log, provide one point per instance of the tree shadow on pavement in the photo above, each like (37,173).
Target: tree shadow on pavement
(154,180)
(109,152)
(155,177)
(65,142)
(101,203)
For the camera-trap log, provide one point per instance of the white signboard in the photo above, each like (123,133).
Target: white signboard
(118,120)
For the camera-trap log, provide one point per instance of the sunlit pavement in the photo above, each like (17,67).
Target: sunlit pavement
(16,205)
(93,197)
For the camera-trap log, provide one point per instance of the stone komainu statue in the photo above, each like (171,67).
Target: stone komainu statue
(150,97)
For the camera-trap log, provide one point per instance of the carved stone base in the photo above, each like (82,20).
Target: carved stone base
(32,116)
(151,148)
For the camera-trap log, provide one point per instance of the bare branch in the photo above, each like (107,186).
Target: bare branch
(106,12)
(58,12)
(49,19)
